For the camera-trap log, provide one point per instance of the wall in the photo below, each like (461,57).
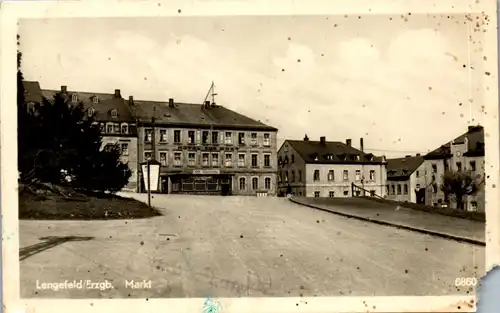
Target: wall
(130,159)
(285,170)
(340,187)
(417,178)
(185,148)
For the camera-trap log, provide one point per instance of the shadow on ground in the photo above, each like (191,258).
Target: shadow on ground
(48,243)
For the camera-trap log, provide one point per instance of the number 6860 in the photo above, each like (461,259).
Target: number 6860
(465,281)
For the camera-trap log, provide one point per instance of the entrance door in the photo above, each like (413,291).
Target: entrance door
(420,196)
(164,184)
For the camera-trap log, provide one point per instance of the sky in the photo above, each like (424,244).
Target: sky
(404,83)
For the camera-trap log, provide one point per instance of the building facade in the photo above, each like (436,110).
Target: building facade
(114,117)
(406,179)
(205,148)
(329,169)
(463,154)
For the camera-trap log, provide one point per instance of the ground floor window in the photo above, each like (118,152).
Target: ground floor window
(331,194)
(346,193)
(242,183)
(267,183)
(316,194)
(255,183)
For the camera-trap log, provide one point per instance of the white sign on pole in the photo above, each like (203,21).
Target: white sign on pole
(154,176)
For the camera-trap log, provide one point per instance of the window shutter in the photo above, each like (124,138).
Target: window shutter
(222,137)
(198,137)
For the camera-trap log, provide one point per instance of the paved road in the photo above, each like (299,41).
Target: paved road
(242,246)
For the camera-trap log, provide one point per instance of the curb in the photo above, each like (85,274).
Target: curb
(401,226)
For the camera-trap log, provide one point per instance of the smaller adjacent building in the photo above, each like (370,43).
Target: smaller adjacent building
(464,153)
(406,179)
(329,169)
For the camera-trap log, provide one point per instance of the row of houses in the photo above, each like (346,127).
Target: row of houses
(209,149)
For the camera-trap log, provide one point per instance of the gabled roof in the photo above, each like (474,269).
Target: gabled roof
(32,92)
(332,152)
(403,167)
(105,104)
(189,114)
(475,138)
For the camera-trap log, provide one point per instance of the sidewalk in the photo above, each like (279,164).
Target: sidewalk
(391,215)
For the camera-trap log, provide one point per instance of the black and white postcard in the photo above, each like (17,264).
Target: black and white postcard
(248,156)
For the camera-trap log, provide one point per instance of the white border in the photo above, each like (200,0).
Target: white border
(11,12)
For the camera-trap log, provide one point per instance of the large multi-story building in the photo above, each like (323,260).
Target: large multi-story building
(205,148)
(406,179)
(464,153)
(110,111)
(329,169)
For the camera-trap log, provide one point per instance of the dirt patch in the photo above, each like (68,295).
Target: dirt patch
(63,204)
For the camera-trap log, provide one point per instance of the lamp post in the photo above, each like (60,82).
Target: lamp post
(151,166)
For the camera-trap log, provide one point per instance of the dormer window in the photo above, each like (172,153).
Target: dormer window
(31,107)
(95,99)
(74,98)
(91,112)
(114,113)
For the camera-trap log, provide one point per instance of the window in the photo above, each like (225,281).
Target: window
(434,188)
(116,128)
(267,140)
(242,183)
(163,135)
(109,128)
(346,193)
(473,166)
(267,160)
(95,99)
(177,159)
(215,138)
(124,129)
(241,138)
(331,175)
(446,166)
(286,176)
(74,98)
(255,183)
(345,175)
(316,175)
(393,189)
(417,186)
(215,159)
(253,139)
(372,193)
(101,127)
(124,148)
(293,176)
(191,159)
(473,205)
(331,194)
(418,174)
(114,113)
(148,155)
(358,175)
(177,136)
(90,112)
(229,138)
(163,158)
(204,137)
(241,160)
(433,178)
(434,168)
(30,107)
(293,158)
(191,136)
(387,189)
(229,160)
(459,166)
(372,175)
(254,160)
(148,135)
(316,194)
(405,189)
(204,159)
(300,176)
(267,183)
(399,189)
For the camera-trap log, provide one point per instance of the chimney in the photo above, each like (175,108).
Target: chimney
(131,100)
(418,154)
(471,128)
(306,138)
(117,93)
(322,140)
(64,89)
(207,104)
(348,142)
(171,102)
(361,145)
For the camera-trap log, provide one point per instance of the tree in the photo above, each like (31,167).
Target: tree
(460,184)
